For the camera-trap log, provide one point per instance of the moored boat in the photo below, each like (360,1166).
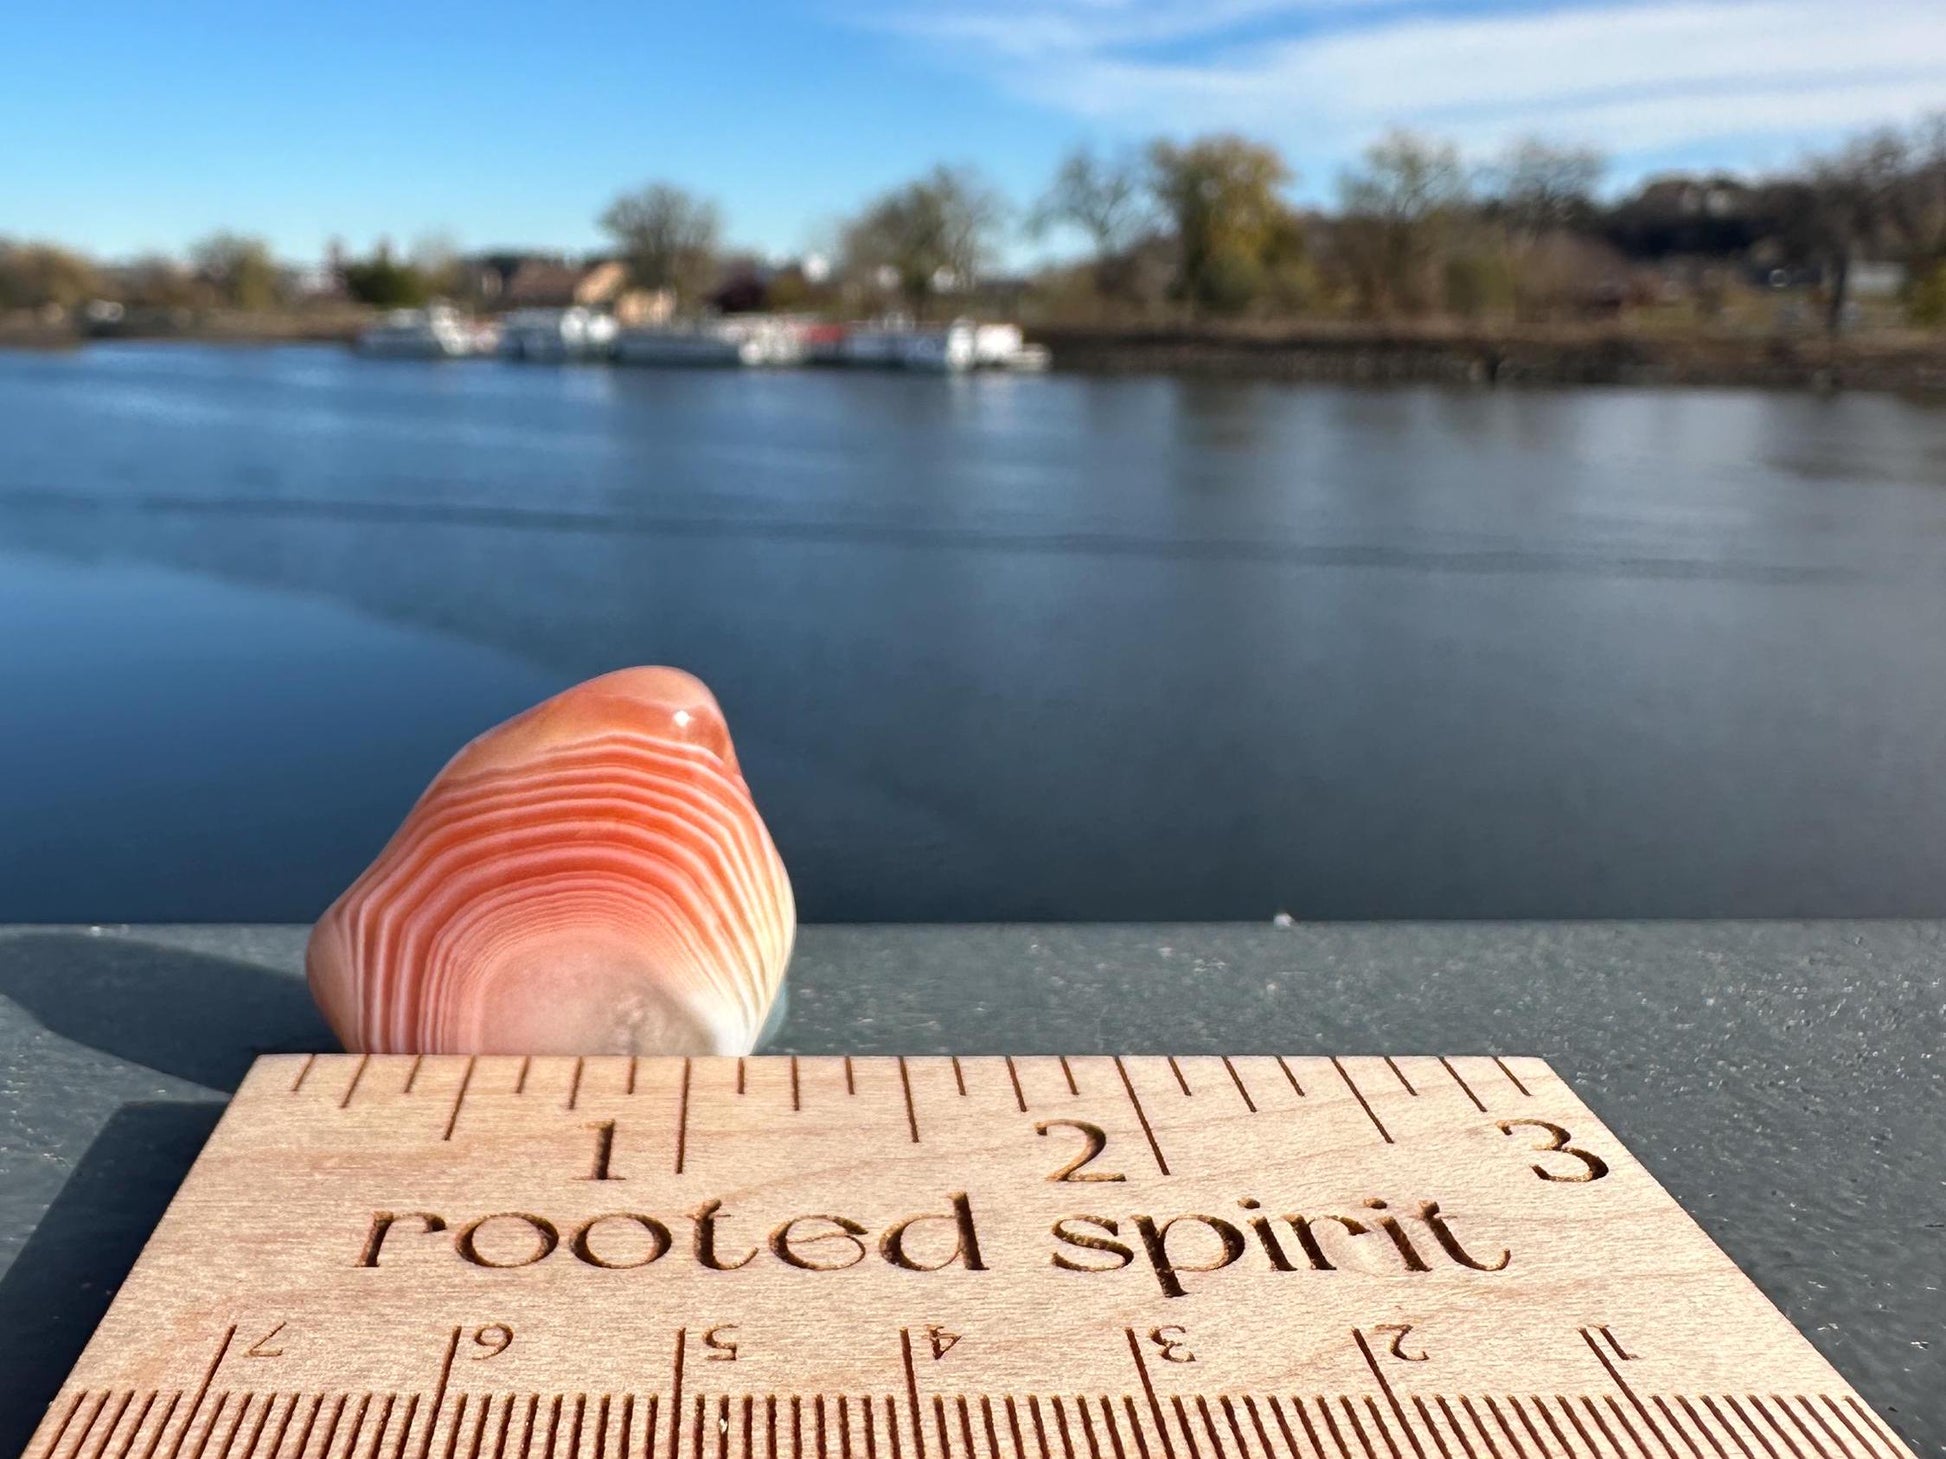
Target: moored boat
(438,332)
(750,340)
(557,334)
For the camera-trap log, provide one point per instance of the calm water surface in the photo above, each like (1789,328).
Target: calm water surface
(991,648)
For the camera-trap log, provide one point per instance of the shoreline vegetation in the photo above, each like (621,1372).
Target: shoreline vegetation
(1303,351)
(1190,256)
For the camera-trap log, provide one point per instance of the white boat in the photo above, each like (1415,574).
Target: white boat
(748,340)
(436,333)
(557,334)
(949,349)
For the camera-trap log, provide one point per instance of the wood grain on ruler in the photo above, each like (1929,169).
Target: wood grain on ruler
(1243,1257)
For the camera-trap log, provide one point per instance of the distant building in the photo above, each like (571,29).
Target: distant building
(556,281)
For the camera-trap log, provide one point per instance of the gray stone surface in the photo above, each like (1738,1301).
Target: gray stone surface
(1784,1081)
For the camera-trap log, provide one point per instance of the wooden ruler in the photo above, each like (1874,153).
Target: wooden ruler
(785,1258)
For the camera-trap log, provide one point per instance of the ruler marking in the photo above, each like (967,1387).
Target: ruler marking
(520,1079)
(1013,1426)
(1512,1077)
(696,1409)
(1479,1428)
(1061,1427)
(580,1412)
(108,1434)
(1744,1418)
(1594,1412)
(284,1425)
(1872,1423)
(966,1428)
(1310,1432)
(384,1423)
(1540,1404)
(1040,1429)
(1799,1423)
(202,1391)
(574,1097)
(871,1428)
(601,1428)
(630,1089)
(215,1419)
(939,1427)
(1284,1427)
(1727,1426)
(844,1428)
(478,1437)
(648,1426)
(304,1072)
(1176,1069)
(911,1114)
(682,1139)
(452,1434)
(356,1075)
(1864,1443)
(61,1430)
(1291,1075)
(741,1061)
(135,1430)
(438,1396)
(912,1378)
(1188,1433)
(357,1425)
(1263,1434)
(851,1082)
(1505,1427)
(1385,1387)
(1330,1424)
(1433,1428)
(1209,1427)
(1067,1070)
(1702,1427)
(330,1428)
(1384,1429)
(1478,1103)
(1817,1418)
(1230,1414)
(257,1429)
(817,1418)
(1359,1095)
(1399,1074)
(1351,1413)
(1141,1115)
(1758,1404)
(1020,1098)
(405,1429)
(553,1425)
(993,1436)
(1453,1423)
(749,1413)
(459,1098)
(797,1098)
(1615,1373)
(1540,1444)
(1142,1368)
(959,1075)
(412,1074)
(1237,1079)
(1684,1428)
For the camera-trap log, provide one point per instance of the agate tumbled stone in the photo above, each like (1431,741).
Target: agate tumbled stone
(590,877)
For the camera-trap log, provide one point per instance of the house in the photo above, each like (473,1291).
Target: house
(557,281)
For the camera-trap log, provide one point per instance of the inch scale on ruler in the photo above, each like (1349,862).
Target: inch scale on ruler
(982,1258)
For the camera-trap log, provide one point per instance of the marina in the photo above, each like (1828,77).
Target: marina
(734,341)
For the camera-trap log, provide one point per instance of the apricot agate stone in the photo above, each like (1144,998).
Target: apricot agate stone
(590,877)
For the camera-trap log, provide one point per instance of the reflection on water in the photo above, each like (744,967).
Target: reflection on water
(992,648)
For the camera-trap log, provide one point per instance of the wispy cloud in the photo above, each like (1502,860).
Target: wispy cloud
(1638,77)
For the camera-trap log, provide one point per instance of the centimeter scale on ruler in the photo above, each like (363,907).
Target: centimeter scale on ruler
(447,1257)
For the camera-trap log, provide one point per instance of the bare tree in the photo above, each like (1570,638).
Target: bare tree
(1103,198)
(934,234)
(668,236)
(1399,211)
(1538,187)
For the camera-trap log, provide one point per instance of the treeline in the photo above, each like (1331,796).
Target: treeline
(1205,228)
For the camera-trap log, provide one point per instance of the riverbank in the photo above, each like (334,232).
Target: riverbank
(1613,355)
(1338,352)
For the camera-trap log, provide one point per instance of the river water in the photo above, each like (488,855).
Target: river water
(991,648)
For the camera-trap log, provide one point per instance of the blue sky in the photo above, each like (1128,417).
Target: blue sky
(134,126)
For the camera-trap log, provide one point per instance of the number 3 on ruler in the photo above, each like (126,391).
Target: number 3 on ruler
(1593,1167)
